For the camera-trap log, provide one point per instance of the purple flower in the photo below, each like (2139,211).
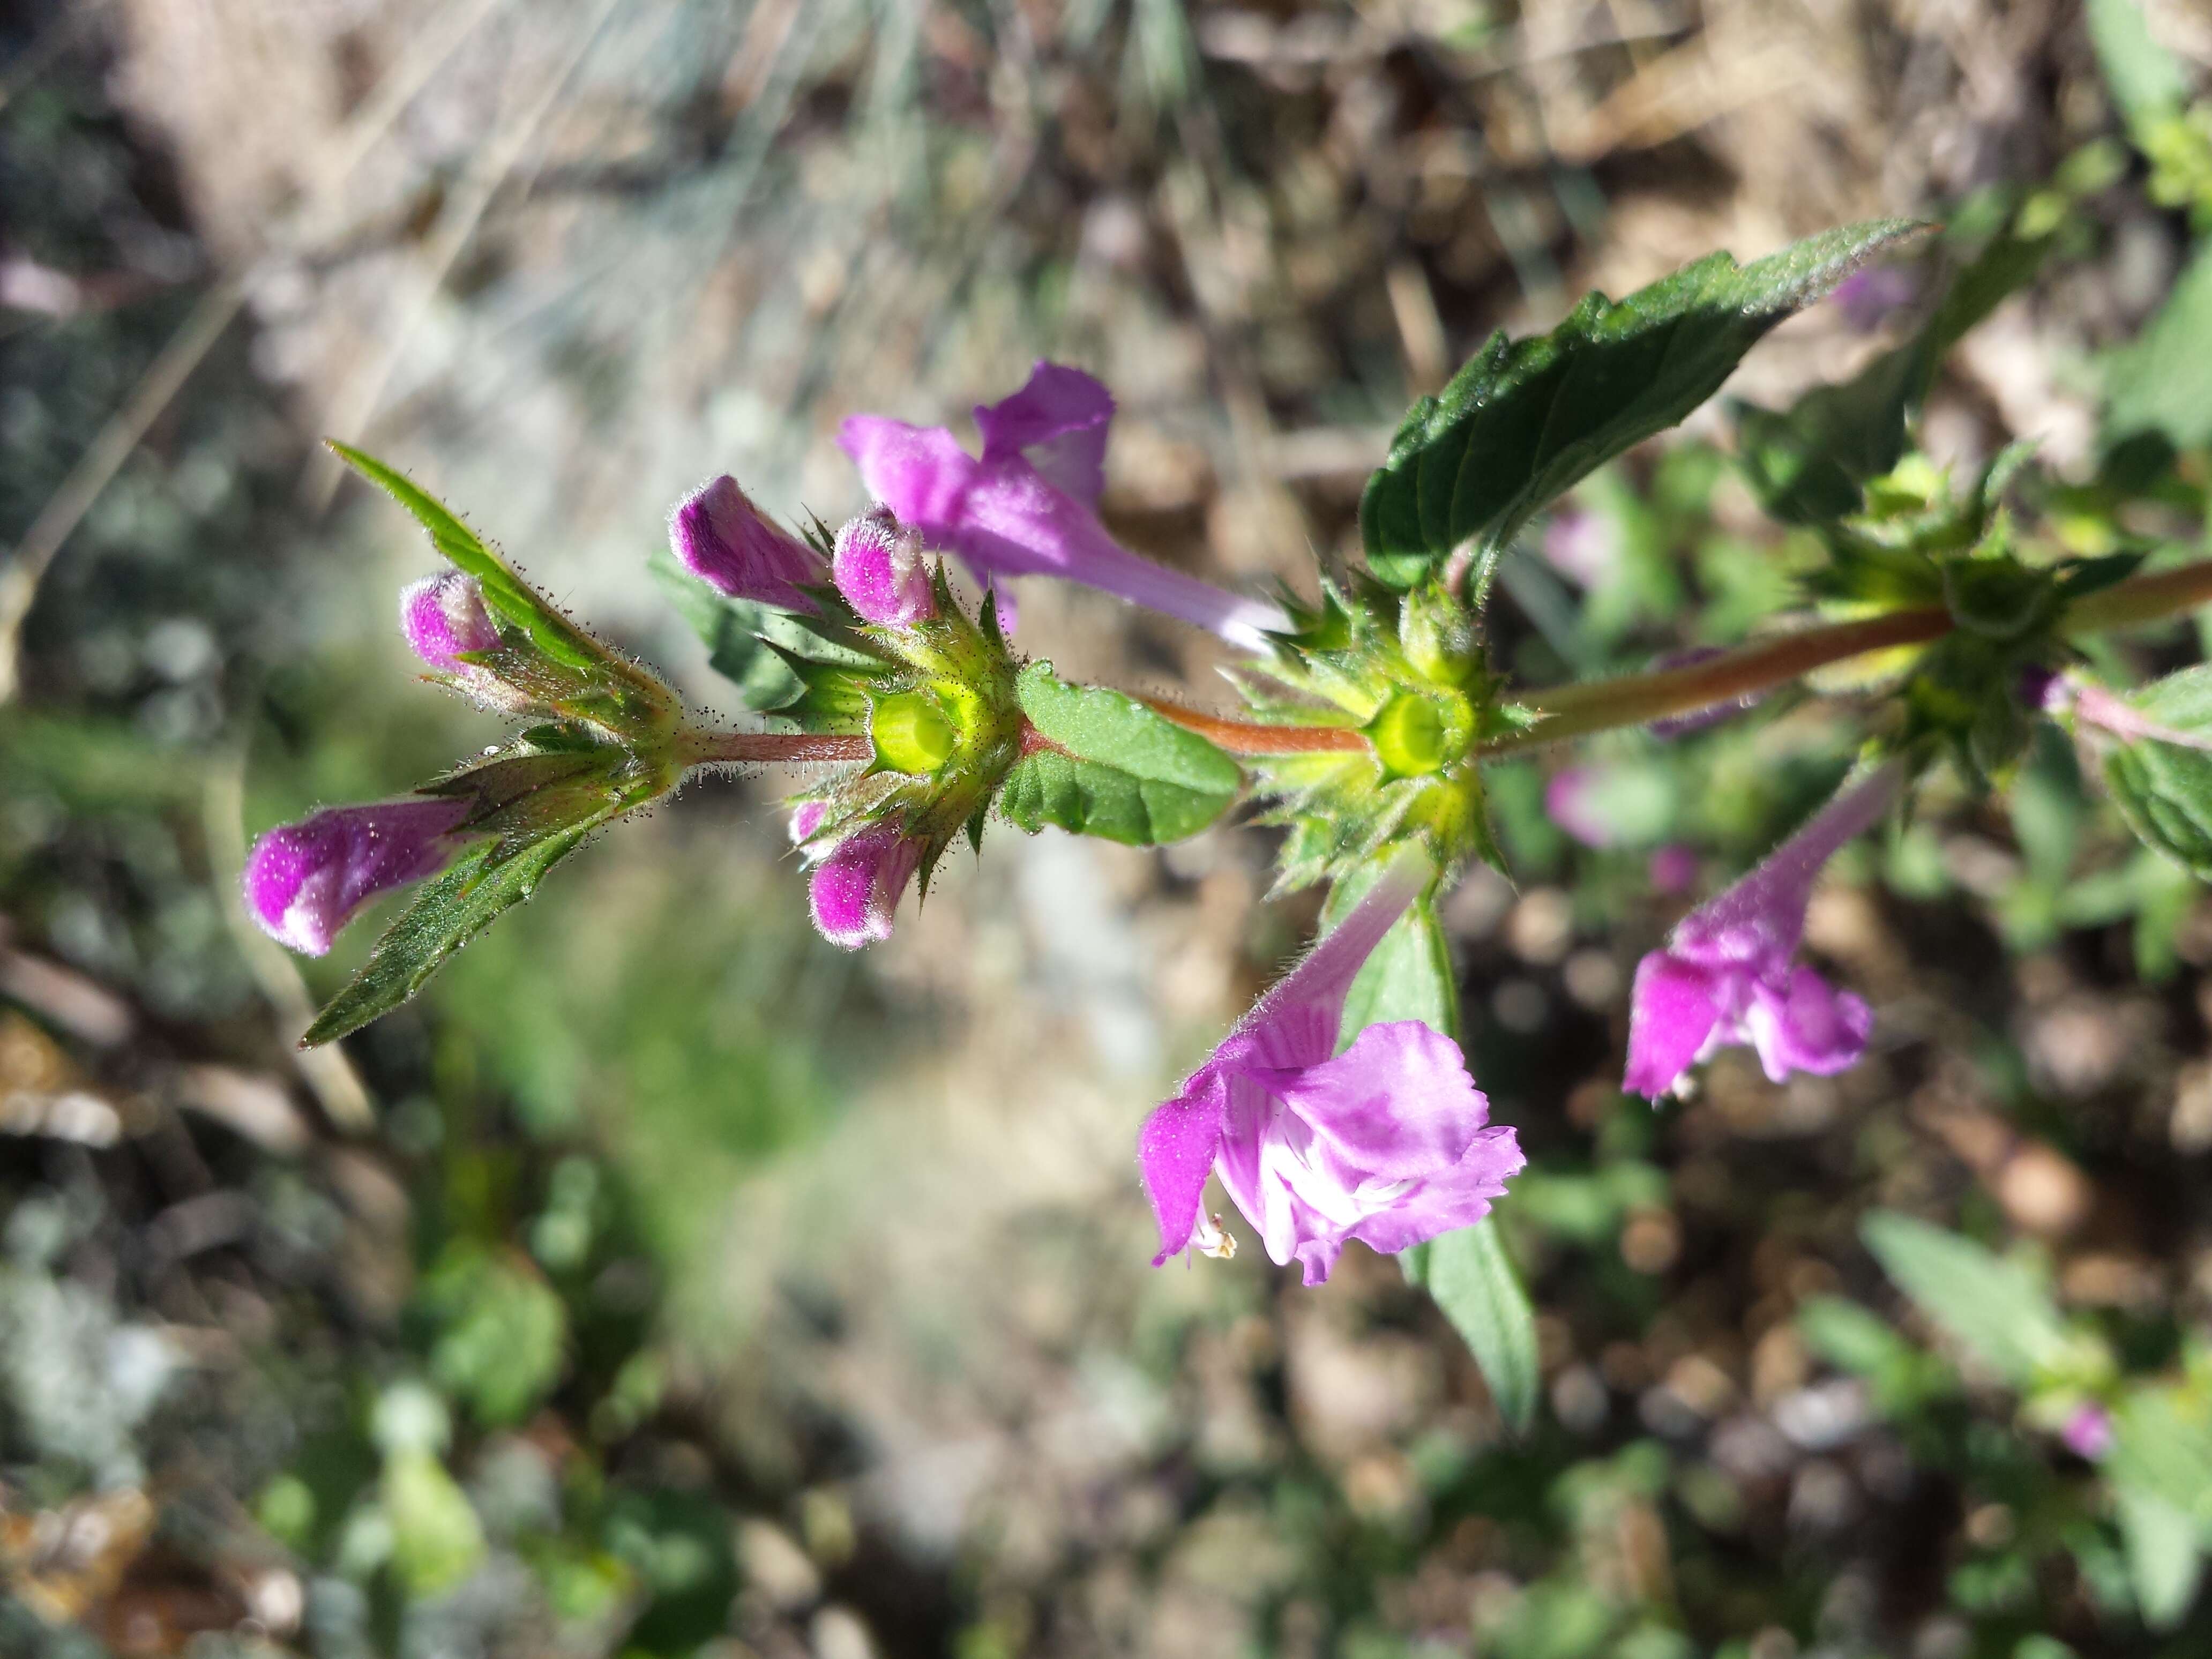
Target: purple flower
(444,617)
(1389,1143)
(1867,298)
(304,881)
(1573,799)
(1028,506)
(806,817)
(2088,1432)
(858,883)
(722,538)
(878,568)
(1726,976)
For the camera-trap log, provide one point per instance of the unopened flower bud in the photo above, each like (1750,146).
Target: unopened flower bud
(880,571)
(444,617)
(722,538)
(806,817)
(856,887)
(304,881)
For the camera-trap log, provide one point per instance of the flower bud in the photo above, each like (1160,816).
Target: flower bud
(303,882)
(443,617)
(806,817)
(2088,1432)
(857,885)
(722,538)
(879,570)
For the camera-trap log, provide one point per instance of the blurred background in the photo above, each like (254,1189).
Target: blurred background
(667,1282)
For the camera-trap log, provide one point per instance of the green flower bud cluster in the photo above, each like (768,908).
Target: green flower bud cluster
(1406,670)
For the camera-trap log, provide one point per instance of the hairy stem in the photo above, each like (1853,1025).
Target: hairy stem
(754,748)
(1255,738)
(1573,711)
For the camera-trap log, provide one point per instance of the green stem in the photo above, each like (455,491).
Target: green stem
(1588,706)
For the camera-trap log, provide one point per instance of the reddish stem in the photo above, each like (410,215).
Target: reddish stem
(1251,738)
(771,748)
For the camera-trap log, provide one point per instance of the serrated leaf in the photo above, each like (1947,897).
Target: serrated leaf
(449,910)
(1118,771)
(1525,419)
(1473,1281)
(504,591)
(1994,1307)
(2164,1556)
(2164,790)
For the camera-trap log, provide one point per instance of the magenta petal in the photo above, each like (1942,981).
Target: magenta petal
(879,570)
(856,888)
(1672,1010)
(1296,1023)
(1004,518)
(1057,422)
(303,882)
(1454,1198)
(1396,1105)
(920,473)
(1810,1026)
(719,536)
(444,617)
(1174,1153)
(1571,800)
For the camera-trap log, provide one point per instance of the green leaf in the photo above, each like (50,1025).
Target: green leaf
(451,908)
(502,1332)
(2162,1448)
(1117,770)
(1524,419)
(436,1540)
(1995,1308)
(2158,384)
(2147,81)
(1473,1281)
(2165,1559)
(2164,790)
(743,637)
(504,590)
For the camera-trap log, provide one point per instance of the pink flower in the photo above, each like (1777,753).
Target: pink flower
(1028,506)
(858,883)
(806,817)
(1574,799)
(722,538)
(2088,1432)
(1389,1143)
(878,568)
(304,881)
(1867,297)
(1582,544)
(444,617)
(1726,976)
